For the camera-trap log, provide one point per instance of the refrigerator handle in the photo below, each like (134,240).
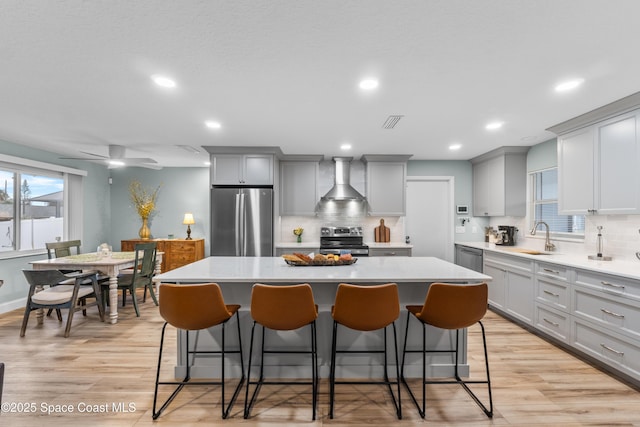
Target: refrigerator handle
(237,225)
(241,216)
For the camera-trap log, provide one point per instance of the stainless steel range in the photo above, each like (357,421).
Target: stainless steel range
(335,239)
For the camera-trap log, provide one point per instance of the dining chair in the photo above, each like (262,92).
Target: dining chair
(62,249)
(449,307)
(193,308)
(366,308)
(282,308)
(141,276)
(49,289)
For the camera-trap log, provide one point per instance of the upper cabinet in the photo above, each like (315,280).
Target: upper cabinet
(299,186)
(242,169)
(385,184)
(598,162)
(500,182)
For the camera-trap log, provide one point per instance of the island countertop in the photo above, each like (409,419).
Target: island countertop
(365,270)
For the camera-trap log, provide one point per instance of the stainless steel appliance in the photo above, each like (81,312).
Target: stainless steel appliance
(469,257)
(507,235)
(336,239)
(241,221)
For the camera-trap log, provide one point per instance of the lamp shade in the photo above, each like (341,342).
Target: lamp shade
(188,219)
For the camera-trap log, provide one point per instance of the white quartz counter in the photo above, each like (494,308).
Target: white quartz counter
(629,269)
(366,269)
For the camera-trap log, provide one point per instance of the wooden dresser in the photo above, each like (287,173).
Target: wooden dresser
(177,252)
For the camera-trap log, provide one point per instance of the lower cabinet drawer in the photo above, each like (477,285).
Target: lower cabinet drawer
(608,311)
(552,322)
(612,349)
(552,292)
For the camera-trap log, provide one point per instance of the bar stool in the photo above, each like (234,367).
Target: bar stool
(192,308)
(366,308)
(282,308)
(449,306)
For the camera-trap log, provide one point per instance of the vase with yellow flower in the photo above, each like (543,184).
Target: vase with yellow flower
(298,232)
(144,201)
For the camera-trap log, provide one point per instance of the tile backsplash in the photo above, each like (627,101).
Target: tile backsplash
(312,225)
(620,236)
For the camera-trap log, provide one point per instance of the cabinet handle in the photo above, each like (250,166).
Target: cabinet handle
(550,293)
(606,347)
(550,322)
(548,270)
(611,313)
(613,285)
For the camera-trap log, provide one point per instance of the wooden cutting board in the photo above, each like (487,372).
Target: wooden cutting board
(382,233)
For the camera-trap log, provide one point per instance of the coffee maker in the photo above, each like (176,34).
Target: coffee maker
(507,235)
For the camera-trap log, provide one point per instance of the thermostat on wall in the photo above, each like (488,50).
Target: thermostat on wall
(462,209)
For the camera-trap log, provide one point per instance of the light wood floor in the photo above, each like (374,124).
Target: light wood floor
(534,383)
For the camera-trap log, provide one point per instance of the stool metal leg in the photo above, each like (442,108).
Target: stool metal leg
(387,381)
(249,401)
(186,380)
(458,379)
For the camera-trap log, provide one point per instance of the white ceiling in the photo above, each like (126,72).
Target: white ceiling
(75,74)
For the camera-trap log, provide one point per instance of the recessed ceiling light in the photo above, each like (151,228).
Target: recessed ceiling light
(568,85)
(207,163)
(368,84)
(455,147)
(212,125)
(163,81)
(116,163)
(494,125)
(345,147)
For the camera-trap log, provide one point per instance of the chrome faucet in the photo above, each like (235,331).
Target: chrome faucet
(548,246)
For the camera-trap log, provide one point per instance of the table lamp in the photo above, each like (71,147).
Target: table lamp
(188,220)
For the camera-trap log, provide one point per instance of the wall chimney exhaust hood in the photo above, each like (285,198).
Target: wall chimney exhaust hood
(342,190)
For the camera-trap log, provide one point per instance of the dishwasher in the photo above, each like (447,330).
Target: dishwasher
(469,257)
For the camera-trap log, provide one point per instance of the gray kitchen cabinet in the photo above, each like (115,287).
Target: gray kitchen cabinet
(594,314)
(499,182)
(514,290)
(298,187)
(598,168)
(385,184)
(598,157)
(606,319)
(242,169)
(391,251)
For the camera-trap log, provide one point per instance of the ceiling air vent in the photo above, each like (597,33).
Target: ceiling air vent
(391,122)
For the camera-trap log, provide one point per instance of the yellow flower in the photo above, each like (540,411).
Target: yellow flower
(143,199)
(298,231)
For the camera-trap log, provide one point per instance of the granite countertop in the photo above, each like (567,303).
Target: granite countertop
(625,268)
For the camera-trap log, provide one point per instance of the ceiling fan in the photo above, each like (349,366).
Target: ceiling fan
(117,158)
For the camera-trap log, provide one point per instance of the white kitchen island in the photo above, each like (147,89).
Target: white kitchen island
(236,276)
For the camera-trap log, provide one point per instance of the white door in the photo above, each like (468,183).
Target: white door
(429,220)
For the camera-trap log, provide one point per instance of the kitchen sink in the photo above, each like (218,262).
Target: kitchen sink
(528,251)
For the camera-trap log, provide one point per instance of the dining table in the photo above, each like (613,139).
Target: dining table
(110,265)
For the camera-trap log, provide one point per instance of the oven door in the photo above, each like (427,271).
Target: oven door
(357,252)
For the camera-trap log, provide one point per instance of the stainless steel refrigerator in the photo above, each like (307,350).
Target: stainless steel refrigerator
(241,221)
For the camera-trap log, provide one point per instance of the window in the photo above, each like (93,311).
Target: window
(39,203)
(544,206)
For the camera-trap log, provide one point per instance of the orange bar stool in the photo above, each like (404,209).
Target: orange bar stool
(192,308)
(449,306)
(366,308)
(282,308)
